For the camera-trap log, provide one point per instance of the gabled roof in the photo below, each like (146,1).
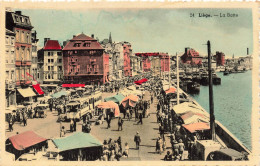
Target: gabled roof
(52,45)
(83,42)
(25,140)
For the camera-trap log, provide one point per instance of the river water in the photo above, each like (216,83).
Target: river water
(232,104)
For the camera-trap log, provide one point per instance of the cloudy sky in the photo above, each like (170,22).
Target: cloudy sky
(151,30)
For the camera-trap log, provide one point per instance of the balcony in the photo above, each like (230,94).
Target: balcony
(23,63)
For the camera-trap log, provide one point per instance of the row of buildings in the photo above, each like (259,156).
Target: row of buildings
(82,59)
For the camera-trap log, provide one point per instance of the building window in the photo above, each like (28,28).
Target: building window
(75,52)
(7,75)
(17,36)
(76,45)
(49,67)
(49,60)
(86,45)
(49,53)
(6,40)
(49,77)
(59,68)
(52,67)
(28,38)
(60,60)
(28,54)
(59,53)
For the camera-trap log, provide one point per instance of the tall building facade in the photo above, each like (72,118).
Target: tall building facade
(220,58)
(34,55)
(52,62)
(84,61)
(21,26)
(10,80)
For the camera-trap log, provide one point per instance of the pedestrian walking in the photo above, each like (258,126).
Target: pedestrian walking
(140,119)
(119,144)
(128,114)
(126,152)
(120,123)
(74,124)
(11,124)
(175,148)
(181,148)
(71,125)
(137,140)
(62,132)
(168,156)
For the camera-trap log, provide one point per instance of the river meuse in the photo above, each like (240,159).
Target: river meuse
(232,104)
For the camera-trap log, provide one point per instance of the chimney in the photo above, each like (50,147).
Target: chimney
(92,36)
(186,50)
(247,51)
(45,40)
(18,12)
(74,36)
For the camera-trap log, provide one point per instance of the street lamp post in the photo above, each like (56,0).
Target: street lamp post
(178,85)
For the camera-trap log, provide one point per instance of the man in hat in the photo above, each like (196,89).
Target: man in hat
(137,140)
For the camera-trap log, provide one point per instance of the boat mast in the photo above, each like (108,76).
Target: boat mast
(177,70)
(211,102)
(169,72)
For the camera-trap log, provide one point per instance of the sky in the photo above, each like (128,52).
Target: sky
(151,30)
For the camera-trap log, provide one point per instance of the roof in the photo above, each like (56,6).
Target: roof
(25,140)
(231,152)
(73,85)
(83,42)
(200,126)
(8,32)
(117,98)
(150,54)
(52,45)
(77,141)
(112,105)
(59,94)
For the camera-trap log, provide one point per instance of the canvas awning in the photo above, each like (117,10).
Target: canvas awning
(38,89)
(112,105)
(59,94)
(27,92)
(117,98)
(77,141)
(200,126)
(171,90)
(191,117)
(187,107)
(130,100)
(72,85)
(25,140)
(139,82)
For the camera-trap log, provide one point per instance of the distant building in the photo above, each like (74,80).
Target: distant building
(50,62)
(10,80)
(147,58)
(191,56)
(136,65)
(220,58)
(119,58)
(84,61)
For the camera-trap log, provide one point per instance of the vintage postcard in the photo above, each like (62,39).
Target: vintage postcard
(129,83)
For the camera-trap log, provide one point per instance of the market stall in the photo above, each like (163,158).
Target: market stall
(130,100)
(24,143)
(79,146)
(117,98)
(112,106)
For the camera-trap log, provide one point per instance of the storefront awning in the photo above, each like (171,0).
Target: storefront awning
(28,92)
(25,140)
(38,89)
(73,85)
